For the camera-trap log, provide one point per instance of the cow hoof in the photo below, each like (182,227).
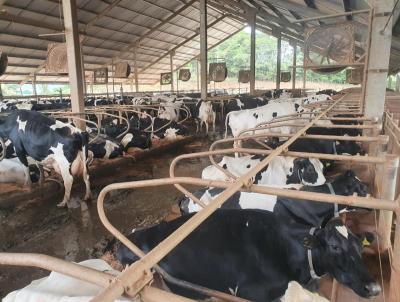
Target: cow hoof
(87,197)
(62,204)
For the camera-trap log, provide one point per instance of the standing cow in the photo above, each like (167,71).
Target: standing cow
(51,143)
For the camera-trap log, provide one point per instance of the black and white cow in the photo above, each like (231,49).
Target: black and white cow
(255,254)
(244,102)
(203,113)
(321,146)
(136,139)
(319,213)
(346,184)
(106,149)
(281,171)
(239,121)
(49,142)
(13,171)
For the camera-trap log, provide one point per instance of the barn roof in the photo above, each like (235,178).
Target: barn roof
(111,29)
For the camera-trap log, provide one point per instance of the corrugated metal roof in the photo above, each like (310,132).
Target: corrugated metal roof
(112,27)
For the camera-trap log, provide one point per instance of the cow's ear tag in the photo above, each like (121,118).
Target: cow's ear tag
(309,241)
(366,242)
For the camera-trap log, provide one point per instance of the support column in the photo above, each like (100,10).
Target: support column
(278,62)
(397,82)
(1,94)
(378,60)
(252,22)
(198,73)
(75,64)
(136,70)
(294,44)
(34,87)
(203,48)
(171,64)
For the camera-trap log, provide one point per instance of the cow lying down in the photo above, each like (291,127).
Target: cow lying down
(13,171)
(314,213)
(255,254)
(281,171)
(61,288)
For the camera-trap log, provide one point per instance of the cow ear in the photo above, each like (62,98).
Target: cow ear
(367,238)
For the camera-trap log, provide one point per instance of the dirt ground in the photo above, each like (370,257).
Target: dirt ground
(38,226)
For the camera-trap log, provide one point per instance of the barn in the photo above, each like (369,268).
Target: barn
(199,150)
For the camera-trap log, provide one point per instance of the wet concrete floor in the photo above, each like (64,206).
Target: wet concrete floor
(77,234)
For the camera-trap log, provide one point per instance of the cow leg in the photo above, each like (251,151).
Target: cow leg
(88,194)
(68,181)
(214,117)
(206,123)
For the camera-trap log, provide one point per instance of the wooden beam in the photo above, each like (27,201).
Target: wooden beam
(75,64)
(203,49)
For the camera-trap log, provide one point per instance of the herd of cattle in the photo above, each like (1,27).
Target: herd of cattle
(255,244)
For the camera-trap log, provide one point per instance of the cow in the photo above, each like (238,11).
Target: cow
(244,102)
(106,149)
(280,171)
(136,139)
(239,121)
(13,171)
(320,146)
(319,213)
(203,113)
(346,184)
(51,143)
(255,254)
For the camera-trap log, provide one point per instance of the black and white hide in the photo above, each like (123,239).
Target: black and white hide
(49,142)
(254,254)
(281,171)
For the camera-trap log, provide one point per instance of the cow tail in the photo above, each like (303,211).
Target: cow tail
(85,146)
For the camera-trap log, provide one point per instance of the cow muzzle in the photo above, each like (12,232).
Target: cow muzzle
(373,289)
(3,149)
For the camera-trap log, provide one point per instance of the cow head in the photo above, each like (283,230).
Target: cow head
(348,147)
(308,171)
(337,251)
(347,184)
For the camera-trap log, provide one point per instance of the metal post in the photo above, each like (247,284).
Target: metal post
(304,69)
(203,48)
(1,93)
(294,44)
(198,73)
(113,78)
(75,64)
(171,65)
(378,62)
(397,88)
(252,23)
(136,69)
(34,86)
(278,62)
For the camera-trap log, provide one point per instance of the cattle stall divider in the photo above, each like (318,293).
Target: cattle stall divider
(135,279)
